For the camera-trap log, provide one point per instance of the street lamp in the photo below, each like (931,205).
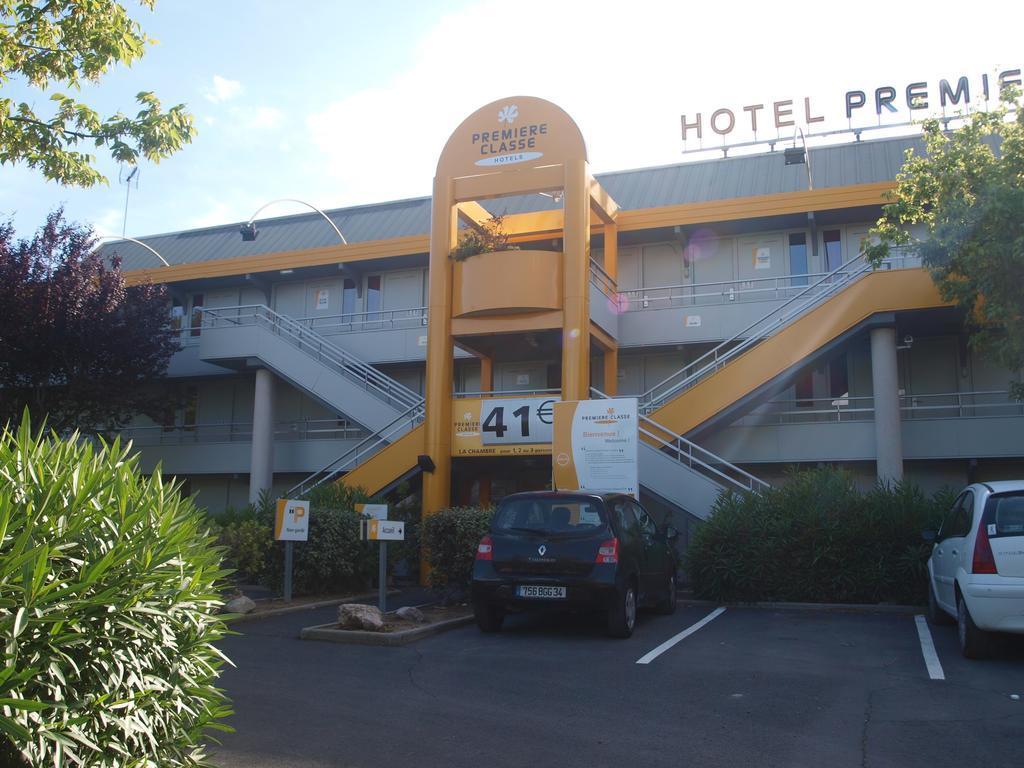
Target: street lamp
(249,230)
(137,242)
(799,155)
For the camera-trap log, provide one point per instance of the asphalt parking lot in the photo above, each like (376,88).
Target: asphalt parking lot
(749,686)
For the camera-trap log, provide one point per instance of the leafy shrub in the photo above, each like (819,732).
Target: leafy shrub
(451,537)
(816,538)
(247,544)
(489,238)
(334,559)
(109,590)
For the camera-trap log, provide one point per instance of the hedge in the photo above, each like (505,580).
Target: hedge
(817,538)
(450,538)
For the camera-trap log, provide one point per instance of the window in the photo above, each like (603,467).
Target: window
(1007,513)
(196,319)
(373,295)
(348,299)
(549,515)
(958,521)
(833,249)
(177,314)
(805,390)
(798,258)
(647,526)
(838,378)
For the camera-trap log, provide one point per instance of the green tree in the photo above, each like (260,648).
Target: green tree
(58,44)
(967,189)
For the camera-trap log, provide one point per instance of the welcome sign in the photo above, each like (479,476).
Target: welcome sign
(596,445)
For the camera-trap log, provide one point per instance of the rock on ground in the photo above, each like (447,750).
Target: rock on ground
(240,604)
(411,614)
(356,616)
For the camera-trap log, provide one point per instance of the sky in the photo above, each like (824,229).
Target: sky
(346,103)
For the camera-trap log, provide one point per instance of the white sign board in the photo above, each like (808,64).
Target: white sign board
(291,522)
(375,511)
(595,446)
(385,530)
(507,421)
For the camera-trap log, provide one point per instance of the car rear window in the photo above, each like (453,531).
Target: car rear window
(1006,512)
(550,515)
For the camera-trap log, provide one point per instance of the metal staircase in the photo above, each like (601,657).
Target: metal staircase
(767,326)
(365,449)
(308,360)
(684,474)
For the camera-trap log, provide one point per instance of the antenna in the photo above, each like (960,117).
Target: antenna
(127,177)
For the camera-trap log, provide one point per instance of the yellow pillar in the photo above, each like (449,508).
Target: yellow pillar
(575,282)
(437,428)
(486,373)
(611,371)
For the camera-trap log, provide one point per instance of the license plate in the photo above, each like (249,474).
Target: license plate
(543,593)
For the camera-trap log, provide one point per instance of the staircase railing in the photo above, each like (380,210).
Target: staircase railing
(318,347)
(768,325)
(696,458)
(361,451)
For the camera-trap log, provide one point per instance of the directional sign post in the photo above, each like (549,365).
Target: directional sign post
(378,528)
(291,523)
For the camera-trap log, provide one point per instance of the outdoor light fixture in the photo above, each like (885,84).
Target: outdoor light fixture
(799,155)
(249,230)
(424,462)
(793,155)
(137,242)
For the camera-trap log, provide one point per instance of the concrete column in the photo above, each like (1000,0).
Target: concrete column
(261,465)
(885,383)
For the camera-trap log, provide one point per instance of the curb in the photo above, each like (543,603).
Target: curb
(257,615)
(328,633)
(826,607)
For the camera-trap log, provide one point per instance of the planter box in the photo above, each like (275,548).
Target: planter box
(331,633)
(506,283)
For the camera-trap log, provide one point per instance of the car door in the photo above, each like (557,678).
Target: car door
(630,541)
(652,564)
(949,549)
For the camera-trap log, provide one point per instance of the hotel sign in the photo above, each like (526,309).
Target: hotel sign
(885,99)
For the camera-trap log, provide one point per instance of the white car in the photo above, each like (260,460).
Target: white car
(976,569)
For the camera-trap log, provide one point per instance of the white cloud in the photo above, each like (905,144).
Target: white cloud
(625,82)
(222,89)
(265,118)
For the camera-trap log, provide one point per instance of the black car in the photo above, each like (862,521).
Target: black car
(574,550)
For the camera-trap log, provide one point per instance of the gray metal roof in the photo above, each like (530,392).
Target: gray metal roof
(680,183)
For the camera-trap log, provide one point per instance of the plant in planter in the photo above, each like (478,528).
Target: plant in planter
(488,238)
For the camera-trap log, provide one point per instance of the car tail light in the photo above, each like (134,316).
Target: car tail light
(984,562)
(485,549)
(608,552)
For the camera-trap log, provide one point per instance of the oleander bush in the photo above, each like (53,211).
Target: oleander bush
(110,585)
(817,538)
(450,538)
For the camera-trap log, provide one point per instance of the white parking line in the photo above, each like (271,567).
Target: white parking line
(931,658)
(647,658)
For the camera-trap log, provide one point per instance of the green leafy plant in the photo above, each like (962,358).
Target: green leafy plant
(334,559)
(966,191)
(816,538)
(489,237)
(450,538)
(110,585)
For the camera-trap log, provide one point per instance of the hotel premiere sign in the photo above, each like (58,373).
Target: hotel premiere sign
(883,100)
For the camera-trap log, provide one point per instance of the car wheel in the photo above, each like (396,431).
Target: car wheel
(622,615)
(668,606)
(489,618)
(975,643)
(936,616)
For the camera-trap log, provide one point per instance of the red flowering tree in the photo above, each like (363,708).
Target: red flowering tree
(78,347)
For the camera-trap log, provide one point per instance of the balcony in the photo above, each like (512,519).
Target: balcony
(507,283)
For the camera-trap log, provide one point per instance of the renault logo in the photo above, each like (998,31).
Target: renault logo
(541,550)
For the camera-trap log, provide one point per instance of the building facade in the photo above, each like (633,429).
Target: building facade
(728,296)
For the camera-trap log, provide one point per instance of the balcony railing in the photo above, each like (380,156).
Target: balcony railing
(508,393)
(747,290)
(943,405)
(604,282)
(241,432)
(356,322)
